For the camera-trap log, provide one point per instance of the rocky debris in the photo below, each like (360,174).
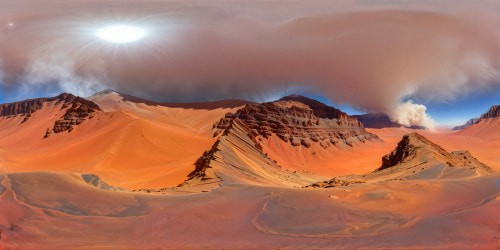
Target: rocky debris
(96,181)
(335,182)
(299,121)
(415,157)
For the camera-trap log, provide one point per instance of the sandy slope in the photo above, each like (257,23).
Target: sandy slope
(133,146)
(362,158)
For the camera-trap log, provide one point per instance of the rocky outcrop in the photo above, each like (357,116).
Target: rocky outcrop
(415,157)
(322,110)
(407,150)
(224,164)
(494,112)
(415,149)
(300,122)
(28,107)
(467,124)
(77,110)
(97,182)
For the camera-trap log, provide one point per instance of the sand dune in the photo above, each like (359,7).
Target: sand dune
(131,145)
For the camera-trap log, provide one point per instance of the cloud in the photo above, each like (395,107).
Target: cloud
(371,56)
(411,114)
(57,73)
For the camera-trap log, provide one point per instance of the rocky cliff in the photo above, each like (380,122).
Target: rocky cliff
(76,109)
(299,121)
(494,112)
(236,158)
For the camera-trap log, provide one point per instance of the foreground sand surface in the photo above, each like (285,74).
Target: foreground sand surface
(44,209)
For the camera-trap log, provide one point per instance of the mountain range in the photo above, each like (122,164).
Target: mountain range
(291,172)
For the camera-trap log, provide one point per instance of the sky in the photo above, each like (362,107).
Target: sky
(421,62)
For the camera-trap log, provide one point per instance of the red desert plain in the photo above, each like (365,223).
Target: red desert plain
(249,124)
(127,173)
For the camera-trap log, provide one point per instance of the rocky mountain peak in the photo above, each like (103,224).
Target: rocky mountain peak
(407,149)
(494,112)
(313,122)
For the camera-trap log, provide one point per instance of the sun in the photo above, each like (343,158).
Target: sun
(121,33)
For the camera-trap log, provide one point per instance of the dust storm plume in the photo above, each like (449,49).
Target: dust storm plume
(371,57)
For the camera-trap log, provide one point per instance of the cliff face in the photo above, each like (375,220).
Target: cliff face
(77,110)
(30,106)
(494,112)
(409,148)
(299,121)
(223,164)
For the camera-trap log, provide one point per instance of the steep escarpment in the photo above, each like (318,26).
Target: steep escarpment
(493,112)
(299,121)
(415,157)
(236,158)
(76,110)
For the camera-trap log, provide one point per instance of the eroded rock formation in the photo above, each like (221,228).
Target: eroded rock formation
(299,121)
(415,157)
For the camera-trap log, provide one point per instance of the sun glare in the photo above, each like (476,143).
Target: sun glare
(121,33)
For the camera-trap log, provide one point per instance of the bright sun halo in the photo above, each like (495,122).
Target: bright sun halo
(121,33)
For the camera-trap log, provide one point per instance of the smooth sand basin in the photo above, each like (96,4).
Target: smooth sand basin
(61,211)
